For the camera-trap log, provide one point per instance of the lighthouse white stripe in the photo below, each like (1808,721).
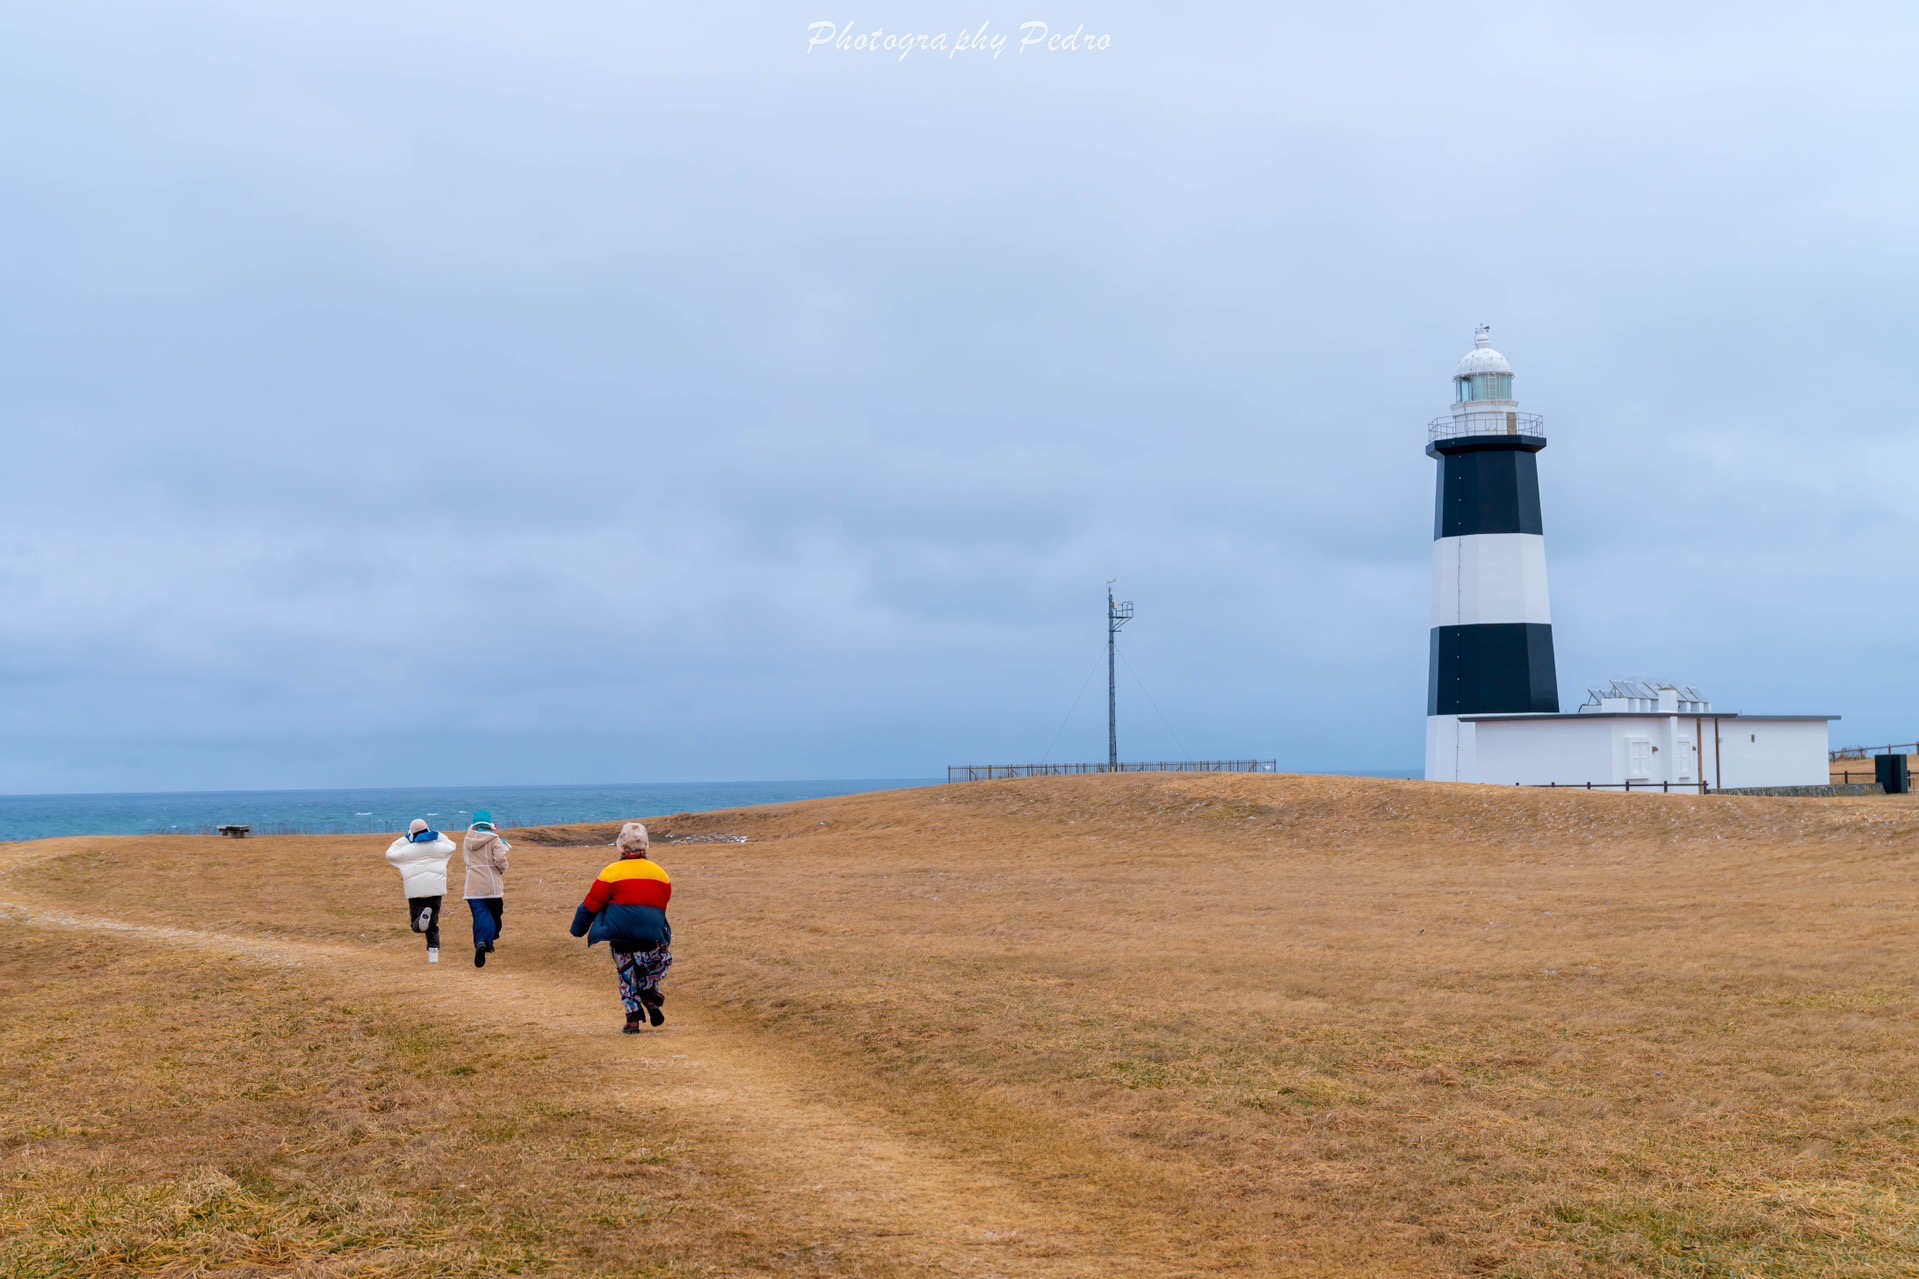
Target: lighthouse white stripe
(1490,578)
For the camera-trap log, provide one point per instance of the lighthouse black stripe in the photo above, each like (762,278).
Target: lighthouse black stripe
(1498,669)
(1488,491)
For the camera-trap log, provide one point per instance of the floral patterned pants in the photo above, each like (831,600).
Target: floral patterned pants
(641,971)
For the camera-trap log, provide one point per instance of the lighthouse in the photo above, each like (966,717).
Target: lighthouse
(1492,635)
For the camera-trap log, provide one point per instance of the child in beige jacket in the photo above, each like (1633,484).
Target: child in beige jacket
(485,854)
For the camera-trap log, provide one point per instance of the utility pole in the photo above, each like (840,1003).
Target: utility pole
(1117,615)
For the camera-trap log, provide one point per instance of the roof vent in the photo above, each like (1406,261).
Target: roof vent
(1645,697)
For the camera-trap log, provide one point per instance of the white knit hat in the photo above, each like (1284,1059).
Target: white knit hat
(415,826)
(633,839)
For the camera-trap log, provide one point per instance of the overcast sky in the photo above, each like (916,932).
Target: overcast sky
(401,394)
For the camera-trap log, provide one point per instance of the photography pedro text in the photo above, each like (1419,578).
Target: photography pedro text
(981,40)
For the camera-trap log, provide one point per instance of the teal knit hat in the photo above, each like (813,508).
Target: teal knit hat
(483,818)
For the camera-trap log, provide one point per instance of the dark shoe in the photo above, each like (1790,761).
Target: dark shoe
(654,1015)
(489,948)
(632,1026)
(479,956)
(652,998)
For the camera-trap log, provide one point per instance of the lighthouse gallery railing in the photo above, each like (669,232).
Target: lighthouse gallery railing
(1485,422)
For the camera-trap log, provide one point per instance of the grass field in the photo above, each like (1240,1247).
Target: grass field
(1139,1025)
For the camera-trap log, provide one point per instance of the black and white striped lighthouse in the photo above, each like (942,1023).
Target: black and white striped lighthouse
(1492,636)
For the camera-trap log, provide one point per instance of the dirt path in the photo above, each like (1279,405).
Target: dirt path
(809,1158)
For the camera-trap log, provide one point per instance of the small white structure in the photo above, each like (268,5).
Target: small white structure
(1648,734)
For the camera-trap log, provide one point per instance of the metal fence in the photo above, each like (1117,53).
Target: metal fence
(1702,788)
(991,772)
(1456,426)
(1846,776)
(1867,752)
(1667,788)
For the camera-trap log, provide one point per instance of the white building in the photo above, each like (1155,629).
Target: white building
(1656,735)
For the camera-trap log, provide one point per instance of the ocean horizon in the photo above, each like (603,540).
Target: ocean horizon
(382,810)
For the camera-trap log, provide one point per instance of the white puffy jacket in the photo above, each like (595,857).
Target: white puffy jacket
(422,863)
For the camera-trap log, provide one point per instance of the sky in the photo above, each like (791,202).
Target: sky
(435,393)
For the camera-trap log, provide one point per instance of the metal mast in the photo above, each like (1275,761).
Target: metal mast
(1117,615)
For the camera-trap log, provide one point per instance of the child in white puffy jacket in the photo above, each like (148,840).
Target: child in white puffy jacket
(421,856)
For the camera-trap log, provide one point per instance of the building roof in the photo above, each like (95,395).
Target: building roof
(1482,358)
(1591,715)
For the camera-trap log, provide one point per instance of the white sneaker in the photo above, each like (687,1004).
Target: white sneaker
(425,921)
(432,954)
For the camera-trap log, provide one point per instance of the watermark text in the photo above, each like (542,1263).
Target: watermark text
(980,41)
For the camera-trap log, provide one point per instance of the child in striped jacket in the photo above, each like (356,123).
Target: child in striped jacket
(626,908)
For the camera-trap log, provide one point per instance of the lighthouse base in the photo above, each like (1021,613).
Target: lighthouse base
(1450,753)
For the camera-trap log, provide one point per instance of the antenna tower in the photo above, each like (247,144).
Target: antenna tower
(1117,615)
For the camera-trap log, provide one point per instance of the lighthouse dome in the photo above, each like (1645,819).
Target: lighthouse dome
(1484,373)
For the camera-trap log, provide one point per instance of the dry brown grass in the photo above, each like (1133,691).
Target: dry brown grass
(1110,1025)
(172,1113)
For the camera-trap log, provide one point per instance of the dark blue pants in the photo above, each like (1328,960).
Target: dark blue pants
(487,914)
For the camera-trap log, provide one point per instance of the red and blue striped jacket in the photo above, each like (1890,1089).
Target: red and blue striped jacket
(626,906)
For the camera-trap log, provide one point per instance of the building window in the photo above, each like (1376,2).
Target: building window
(1484,386)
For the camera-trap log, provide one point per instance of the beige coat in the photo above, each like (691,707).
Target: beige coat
(485,854)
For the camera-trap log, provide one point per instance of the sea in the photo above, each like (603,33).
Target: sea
(372,812)
(367,812)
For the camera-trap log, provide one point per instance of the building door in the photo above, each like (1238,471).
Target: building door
(1684,762)
(1638,759)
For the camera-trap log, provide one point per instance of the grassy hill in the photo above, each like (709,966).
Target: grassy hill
(1140,1025)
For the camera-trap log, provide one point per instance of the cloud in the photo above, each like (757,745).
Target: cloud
(430,395)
